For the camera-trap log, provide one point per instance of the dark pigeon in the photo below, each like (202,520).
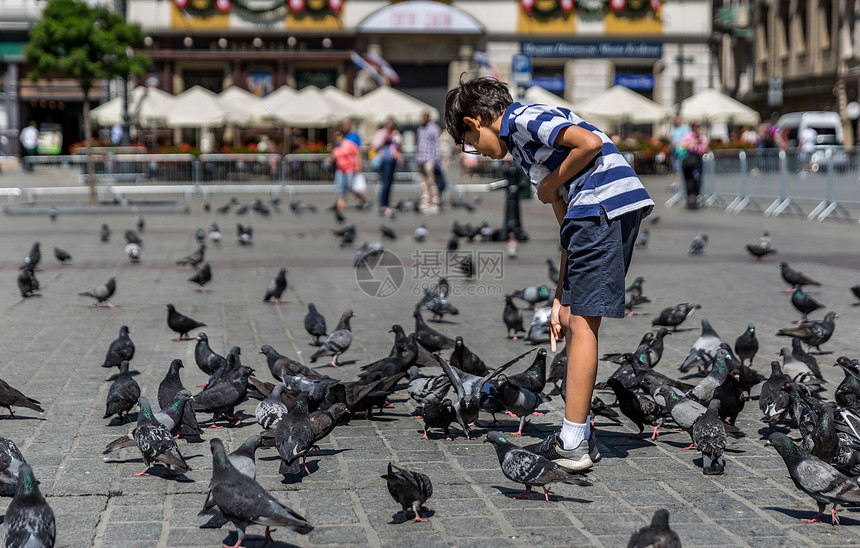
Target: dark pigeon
(823,441)
(121,348)
(519,401)
(746,346)
(220,399)
(181,323)
(154,441)
(464,359)
(709,437)
(409,488)
(141,224)
(798,353)
(522,466)
(202,277)
(438,415)
(11,460)
(323,421)
(704,349)
(170,416)
(294,437)
(28,285)
(600,408)
(29,521)
(552,271)
(62,255)
(337,342)
(33,258)
(674,316)
(102,293)
(168,388)
(762,247)
(428,337)
(387,232)
(13,397)
(194,259)
(207,359)
(814,333)
(847,394)
(243,460)
(104,233)
(533,378)
(855,289)
(656,535)
(314,324)
(816,478)
(131,237)
(804,304)
(639,408)
(276,287)
(633,296)
(794,277)
(243,501)
(697,246)
(513,318)
(281,366)
(122,394)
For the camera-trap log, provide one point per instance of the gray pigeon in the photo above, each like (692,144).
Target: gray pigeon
(704,391)
(420,233)
(673,316)
(102,293)
(11,460)
(697,246)
(709,437)
(409,488)
(202,277)
(683,411)
(295,436)
(530,469)
(513,318)
(122,394)
(28,285)
(799,371)
(337,342)
(704,349)
(243,461)
(814,477)
(29,521)
(33,258)
(220,399)
(170,416)
(132,251)
(168,388)
(642,238)
(207,359)
(270,410)
(521,402)
(281,366)
(243,501)
(121,348)
(154,441)
(193,259)
(276,287)
(314,324)
(656,535)
(764,246)
(426,390)
(62,255)
(539,325)
(10,396)
(104,233)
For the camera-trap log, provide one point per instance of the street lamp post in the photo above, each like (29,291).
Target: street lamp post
(126,120)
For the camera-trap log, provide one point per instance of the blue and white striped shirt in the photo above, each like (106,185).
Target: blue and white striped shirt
(608,183)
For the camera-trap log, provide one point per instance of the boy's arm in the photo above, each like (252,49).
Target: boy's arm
(584,146)
(555,330)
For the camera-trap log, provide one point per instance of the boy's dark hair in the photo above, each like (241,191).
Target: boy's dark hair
(485,98)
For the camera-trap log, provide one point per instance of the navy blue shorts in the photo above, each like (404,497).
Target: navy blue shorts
(599,251)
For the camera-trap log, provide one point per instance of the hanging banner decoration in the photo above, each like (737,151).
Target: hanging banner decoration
(528,6)
(361,64)
(296,5)
(382,67)
(335,6)
(223,6)
(566,5)
(617,5)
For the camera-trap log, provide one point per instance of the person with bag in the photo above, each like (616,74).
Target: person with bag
(428,155)
(347,163)
(386,145)
(694,144)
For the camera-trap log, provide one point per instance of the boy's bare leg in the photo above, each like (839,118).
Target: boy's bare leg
(580,332)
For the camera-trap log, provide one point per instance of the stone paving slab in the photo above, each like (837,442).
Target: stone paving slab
(51,348)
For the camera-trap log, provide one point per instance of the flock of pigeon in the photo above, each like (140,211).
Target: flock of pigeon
(303,405)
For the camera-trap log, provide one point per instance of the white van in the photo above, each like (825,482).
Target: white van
(828,125)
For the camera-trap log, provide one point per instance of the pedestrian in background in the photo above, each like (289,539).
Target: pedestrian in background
(347,162)
(348,133)
(678,131)
(428,155)
(694,144)
(387,145)
(29,138)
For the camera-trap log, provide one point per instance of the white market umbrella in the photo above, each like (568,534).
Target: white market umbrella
(619,104)
(144,104)
(196,107)
(341,100)
(241,107)
(712,106)
(386,102)
(309,108)
(539,96)
(271,102)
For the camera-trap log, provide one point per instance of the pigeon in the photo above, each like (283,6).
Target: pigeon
(438,415)
(453,243)
(772,401)
(271,410)
(122,394)
(633,296)
(466,267)
(53,212)
(428,337)
(131,237)
(243,501)
(823,441)
(314,324)
(28,285)
(639,408)
(848,393)
(552,271)
(62,255)
(746,346)
(29,521)
(181,323)
(599,407)
(468,402)
(141,224)
(202,277)
(464,359)
(207,359)
(704,349)
(367,256)
(104,233)
(674,316)
(813,333)
(102,293)
(519,401)
(387,232)
(683,411)
(409,488)
(295,436)
(11,460)
(13,397)
(221,398)
(337,342)
(244,462)
(642,239)
(804,303)
(697,246)
(437,303)
(420,233)
(656,535)
(814,477)
(703,392)
(799,353)
(513,318)
(709,437)
(534,294)
(323,421)
(33,258)
(276,287)
(168,388)
(794,277)
(200,235)
(533,378)
(799,371)
(762,247)
(656,345)
(121,348)
(215,234)
(522,466)
(132,251)
(281,366)
(194,259)
(855,289)
(170,416)
(154,441)
(347,236)
(539,325)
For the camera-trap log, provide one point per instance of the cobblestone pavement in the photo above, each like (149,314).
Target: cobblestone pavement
(52,346)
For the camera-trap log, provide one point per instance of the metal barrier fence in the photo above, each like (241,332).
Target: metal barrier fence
(818,185)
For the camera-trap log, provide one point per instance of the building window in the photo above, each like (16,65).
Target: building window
(782,34)
(211,79)
(799,29)
(638,78)
(825,23)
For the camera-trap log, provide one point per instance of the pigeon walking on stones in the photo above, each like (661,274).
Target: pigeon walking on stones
(32,259)
(709,437)
(122,394)
(281,366)
(533,378)
(337,342)
(804,304)
(221,399)
(816,478)
(642,239)
(522,466)
(438,415)
(704,349)
(104,233)
(215,235)
(520,402)
(674,316)
(409,488)
(271,410)
(154,441)
(168,388)
(639,408)
(121,348)
(102,293)
(794,277)
(813,333)
(633,296)
(62,255)
(823,440)
(294,437)
(193,259)
(131,237)
(429,338)
(28,285)
(420,233)
(855,290)
(29,521)
(207,359)
(746,346)
(11,460)
(132,251)
(703,392)
(202,277)
(465,360)
(244,502)
(141,224)
(10,397)
(762,247)
(243,460)
(276,287)
(181,323)
(656,535)
(697,246)
(513,318)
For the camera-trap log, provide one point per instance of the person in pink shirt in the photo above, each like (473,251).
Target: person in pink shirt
(347,162)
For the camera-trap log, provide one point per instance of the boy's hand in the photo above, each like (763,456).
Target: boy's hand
(555,331)
(547,191)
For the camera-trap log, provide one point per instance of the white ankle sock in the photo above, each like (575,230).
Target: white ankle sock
(572,433)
